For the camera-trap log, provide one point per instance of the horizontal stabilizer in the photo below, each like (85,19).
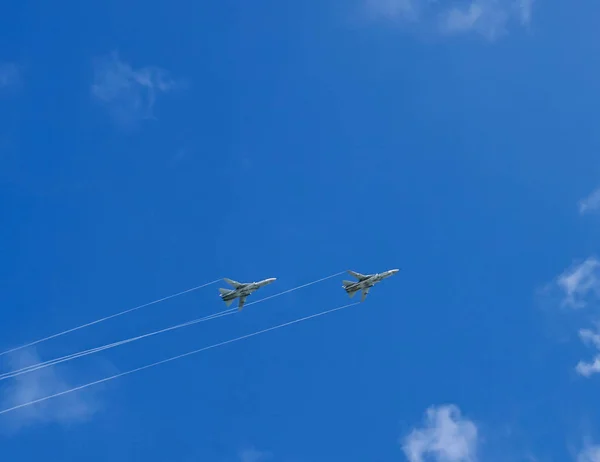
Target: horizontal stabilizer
(348,283)
(229,302)
(224,291)
(233,283)
(351,294)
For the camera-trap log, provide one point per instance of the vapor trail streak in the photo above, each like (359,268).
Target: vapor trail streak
(216,345)
(107,318)
(295,288)
(52,362)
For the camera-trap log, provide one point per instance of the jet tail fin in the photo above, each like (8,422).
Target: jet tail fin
(347,283)
(224,291)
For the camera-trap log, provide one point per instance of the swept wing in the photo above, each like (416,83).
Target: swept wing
(233,283)
(358,276)
(365,292)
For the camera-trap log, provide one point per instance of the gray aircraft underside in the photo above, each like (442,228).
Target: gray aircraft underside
(364,282)
(241,290)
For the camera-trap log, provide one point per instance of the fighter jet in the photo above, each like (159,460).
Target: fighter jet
(365,282)
(241,290)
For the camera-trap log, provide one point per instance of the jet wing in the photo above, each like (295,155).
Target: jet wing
(233,283)
(358,276)
(365,292)
(241,303)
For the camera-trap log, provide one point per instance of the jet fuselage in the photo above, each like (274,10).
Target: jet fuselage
(368,281)
(242,290)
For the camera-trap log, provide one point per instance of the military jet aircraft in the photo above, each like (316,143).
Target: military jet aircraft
(365,282)
(241,290)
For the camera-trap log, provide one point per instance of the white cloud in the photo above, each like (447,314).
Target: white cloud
(590,338)
(587,369)
(591,203)
(581,283)
(589,454)
(128,93)
(584,368)
(69,409)
(9,74)
(485,17)
(488,18)
(579,287)
(445,437)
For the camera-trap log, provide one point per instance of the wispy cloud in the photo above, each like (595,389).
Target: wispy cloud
(129,94)
(580,284)
(69,409)
(591,203)
(590,453)
(485,17)
(525,10)
(393,9)
(9,75)
(586,369)
(252,455)
(579,287)
(488,18)
(446,436)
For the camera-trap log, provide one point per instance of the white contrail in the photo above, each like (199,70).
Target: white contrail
(107,318)
(52,362)
(216,345)
(296,288)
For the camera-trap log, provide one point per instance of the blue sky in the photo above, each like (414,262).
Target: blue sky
(149,148)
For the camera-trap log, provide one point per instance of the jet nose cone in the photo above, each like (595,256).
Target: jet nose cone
(270,280)
(394,271)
